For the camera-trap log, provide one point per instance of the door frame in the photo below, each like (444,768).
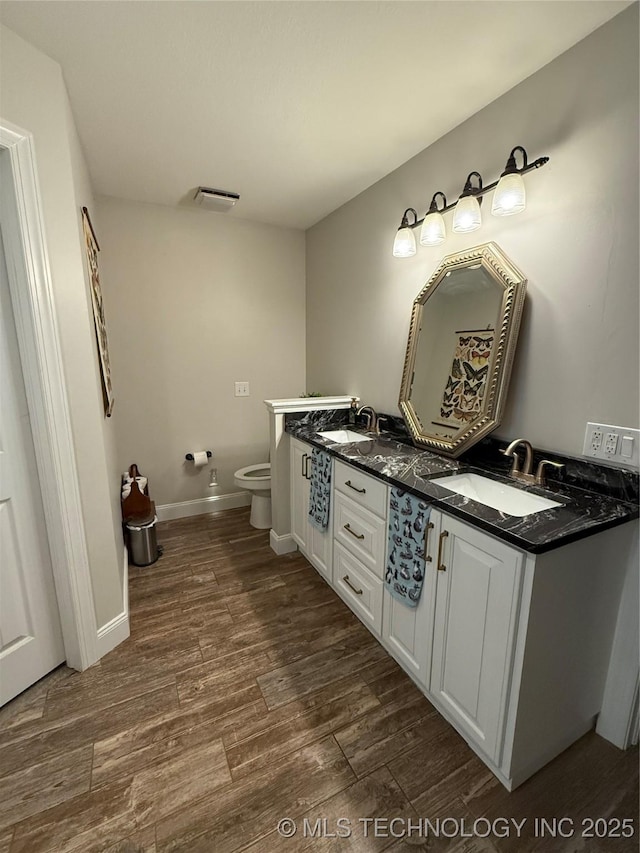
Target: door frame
(31,288)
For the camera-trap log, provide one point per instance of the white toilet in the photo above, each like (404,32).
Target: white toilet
(257,479)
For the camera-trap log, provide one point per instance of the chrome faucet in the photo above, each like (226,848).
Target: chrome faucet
(372,418)
(526,475)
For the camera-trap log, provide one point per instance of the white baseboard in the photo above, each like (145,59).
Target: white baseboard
(284,544)
(116,631)
(201,506)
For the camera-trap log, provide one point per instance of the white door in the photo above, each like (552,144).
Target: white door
(30,636)
(478,581)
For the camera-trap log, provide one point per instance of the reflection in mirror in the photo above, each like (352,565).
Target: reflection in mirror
(461,342)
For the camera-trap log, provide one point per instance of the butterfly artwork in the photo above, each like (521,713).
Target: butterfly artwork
(474,374)
(483,342)
(472,387)
(464,416)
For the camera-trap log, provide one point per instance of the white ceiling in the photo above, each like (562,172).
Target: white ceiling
(298,106)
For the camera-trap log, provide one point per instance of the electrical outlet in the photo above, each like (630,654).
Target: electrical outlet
(615,445)
(611,442)
(242,389)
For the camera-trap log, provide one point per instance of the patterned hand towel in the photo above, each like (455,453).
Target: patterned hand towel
(408,518)
(320,493)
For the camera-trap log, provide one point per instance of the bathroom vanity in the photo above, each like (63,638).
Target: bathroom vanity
(511,638)
(512,634)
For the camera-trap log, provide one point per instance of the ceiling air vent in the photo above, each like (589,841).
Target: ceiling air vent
(219,200)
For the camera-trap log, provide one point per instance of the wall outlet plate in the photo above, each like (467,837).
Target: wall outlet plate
(618,446)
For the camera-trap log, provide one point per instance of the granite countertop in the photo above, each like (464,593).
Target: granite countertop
(400,464)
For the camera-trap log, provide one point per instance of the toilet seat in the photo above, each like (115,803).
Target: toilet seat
(255,474)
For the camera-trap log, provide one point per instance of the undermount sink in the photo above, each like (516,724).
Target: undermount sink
(343,436)
(500,496)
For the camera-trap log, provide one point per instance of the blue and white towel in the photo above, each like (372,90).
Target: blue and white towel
(320,492)
(408,519)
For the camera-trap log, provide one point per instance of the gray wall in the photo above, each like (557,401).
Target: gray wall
(195,301)
(34,98)
(577,243)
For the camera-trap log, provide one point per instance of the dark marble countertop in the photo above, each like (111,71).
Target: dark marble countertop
(583,512)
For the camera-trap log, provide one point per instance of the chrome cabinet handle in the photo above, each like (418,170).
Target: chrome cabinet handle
(441,565)
(428,558)
(302,466)
(352,532)
(351,586)
(355,489)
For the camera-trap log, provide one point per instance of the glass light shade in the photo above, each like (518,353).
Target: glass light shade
(433,231)
(509,197)
(404,246)
(467,216)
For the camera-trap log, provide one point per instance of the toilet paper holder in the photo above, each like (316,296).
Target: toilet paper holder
(189,456)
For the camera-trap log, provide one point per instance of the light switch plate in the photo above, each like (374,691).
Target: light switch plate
(242,389)
(613,445)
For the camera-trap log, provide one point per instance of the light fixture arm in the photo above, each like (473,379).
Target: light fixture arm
(480,191)
(511,168)
(469,189)
(433,207)
(405,221)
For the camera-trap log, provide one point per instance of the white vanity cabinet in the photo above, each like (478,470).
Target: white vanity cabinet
(476,593)
(511,647)
(520,643)
(360,534)
(315,544)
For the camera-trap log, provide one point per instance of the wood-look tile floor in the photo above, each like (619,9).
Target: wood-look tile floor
(248,693)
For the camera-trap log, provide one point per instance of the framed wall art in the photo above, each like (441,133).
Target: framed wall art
(92,248)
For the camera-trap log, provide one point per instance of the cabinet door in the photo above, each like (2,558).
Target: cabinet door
(315,544)
(321,545)
(407,632)
(300,463)
(478,581)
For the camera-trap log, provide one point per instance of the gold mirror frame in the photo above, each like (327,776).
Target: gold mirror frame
(514,284)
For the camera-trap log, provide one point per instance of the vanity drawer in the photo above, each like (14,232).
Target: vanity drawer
(360,532)
(359,589)
(363,489)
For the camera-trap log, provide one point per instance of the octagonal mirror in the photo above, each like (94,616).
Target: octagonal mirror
(462,340)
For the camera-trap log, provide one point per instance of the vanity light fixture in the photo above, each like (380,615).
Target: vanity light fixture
(433,231)
(509,199)
(404,246)
(467,216)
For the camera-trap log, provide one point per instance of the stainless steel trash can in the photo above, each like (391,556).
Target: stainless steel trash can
(143,543)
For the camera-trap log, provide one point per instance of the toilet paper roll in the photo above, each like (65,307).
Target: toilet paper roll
(200,458)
